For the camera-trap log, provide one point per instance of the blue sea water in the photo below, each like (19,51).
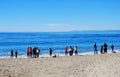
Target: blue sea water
(56,40)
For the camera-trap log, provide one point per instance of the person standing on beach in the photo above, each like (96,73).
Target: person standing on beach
(112,47)
(37,52)
(66,50)
(76,50)
(51,51)
(105,48)
(16,54)
(70,51)
(34,52)
(29,52)
(101,50)
(12,54)
(95,49)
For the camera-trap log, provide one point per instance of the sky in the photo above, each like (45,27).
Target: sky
(59,15)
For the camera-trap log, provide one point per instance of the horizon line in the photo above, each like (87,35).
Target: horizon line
(55,31)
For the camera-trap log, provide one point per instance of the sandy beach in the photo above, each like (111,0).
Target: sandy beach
(106,65)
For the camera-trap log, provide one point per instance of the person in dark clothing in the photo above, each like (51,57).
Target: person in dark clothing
(34,52)
(101,50)
(76,50)
(28,54)
(37,52)
(70,51)
(16,54)
(66,50)
(105,48)
(55,56)
(12,54)
(112,46)
(51,51)
(95,49)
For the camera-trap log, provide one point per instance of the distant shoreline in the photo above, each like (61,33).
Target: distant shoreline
(74,31)
(58,54)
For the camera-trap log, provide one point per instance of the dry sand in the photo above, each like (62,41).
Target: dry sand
(106,65)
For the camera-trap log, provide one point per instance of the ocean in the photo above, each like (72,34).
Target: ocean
(19,41)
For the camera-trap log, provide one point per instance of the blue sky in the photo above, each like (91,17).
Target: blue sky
(59,15)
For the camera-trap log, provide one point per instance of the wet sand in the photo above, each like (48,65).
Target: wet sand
(105,65)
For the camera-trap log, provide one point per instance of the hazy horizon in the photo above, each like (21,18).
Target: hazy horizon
(72,31)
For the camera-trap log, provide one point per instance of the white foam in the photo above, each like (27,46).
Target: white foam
(57,53)
(1,57)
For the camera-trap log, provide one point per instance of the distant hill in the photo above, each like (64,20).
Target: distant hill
(97,32)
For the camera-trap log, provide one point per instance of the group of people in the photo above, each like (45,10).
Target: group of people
(14,54)
(33,52)
(70,50)
(103,49)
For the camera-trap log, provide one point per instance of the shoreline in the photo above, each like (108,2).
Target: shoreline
(58,54)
